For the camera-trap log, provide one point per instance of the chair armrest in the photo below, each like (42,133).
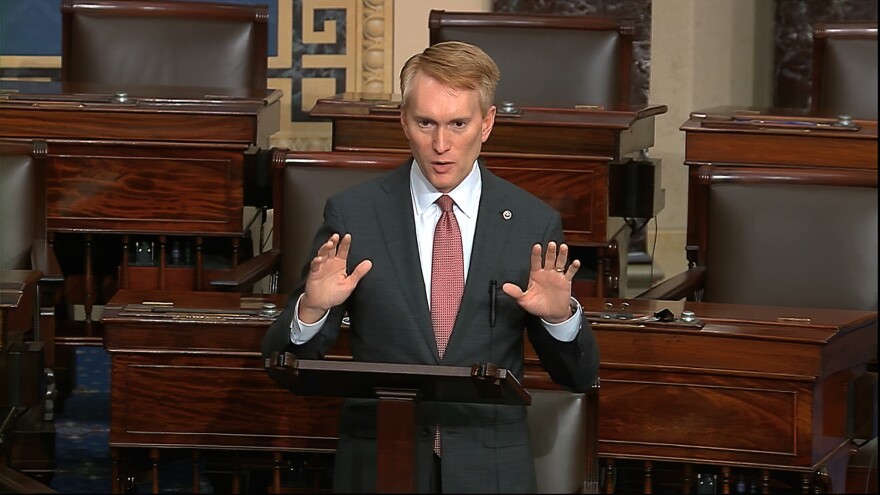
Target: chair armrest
(681,286)
(43,259)
(12,481)
(248,273)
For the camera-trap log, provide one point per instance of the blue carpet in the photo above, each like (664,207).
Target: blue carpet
(82,452)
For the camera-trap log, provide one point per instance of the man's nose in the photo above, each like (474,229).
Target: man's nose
(441,140)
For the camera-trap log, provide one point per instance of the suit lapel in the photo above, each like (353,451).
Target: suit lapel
(491,231)
(395,218)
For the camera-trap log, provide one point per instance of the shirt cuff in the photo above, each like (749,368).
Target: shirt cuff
(567,330)
(300,332)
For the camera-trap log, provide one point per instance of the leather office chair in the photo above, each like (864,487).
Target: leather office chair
(302,182)
(26,361)
(784,237)
(23,241)
(548,60)
(564,431)
(563,424)
(845,70)
(781,237)
(172,43)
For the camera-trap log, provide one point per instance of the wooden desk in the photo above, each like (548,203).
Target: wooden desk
(201,383)
(578,161)
(162,166)
(158,161)
(746,390)
(775,137)
(763,388)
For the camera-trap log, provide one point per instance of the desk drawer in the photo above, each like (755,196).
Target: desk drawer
(142,189)
(214,401)
(576,188)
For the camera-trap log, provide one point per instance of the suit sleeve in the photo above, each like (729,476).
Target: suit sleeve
(575,364)
(277,338)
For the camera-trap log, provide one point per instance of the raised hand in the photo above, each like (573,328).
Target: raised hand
(328,284)
(549,290)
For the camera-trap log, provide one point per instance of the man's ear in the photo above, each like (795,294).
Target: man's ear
(488,124)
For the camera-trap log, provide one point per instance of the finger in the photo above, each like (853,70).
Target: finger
(344,246)
(550,257)
(536,257)
(327,249)
(315,265)
(512,290)
(572,269)
(360,270)
(561,258)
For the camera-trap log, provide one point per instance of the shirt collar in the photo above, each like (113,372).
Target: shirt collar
(466,195)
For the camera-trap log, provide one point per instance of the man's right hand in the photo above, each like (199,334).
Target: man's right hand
(328,284)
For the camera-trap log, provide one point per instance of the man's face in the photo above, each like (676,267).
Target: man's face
(446,130)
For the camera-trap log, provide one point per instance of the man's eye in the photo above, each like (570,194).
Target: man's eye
(459,124)
(423,123)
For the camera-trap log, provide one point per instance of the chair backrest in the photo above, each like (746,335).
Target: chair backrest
(171,43)
(306,181)
(548,60)
(563,428)
(20,217)
(845,70)
(787,237)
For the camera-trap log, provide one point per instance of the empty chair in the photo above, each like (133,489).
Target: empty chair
(23,240)
(548,60)
(845,70)
(302,183)
(782,237)
(27,266)
(168,43)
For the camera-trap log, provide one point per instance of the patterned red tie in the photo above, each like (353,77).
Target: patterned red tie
(447,280)
(447,274)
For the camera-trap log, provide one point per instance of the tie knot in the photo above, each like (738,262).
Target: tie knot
(445,203)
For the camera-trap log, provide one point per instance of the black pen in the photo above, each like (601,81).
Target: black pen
(493,287)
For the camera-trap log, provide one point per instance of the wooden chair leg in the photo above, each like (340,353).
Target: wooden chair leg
(609,476)
(688,480)
(806,483)
(276,472)
(649,468)
(195,471)
(725,481)
(154,456)
(236,475)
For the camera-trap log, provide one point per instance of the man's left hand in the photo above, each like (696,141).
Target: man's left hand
(549,291)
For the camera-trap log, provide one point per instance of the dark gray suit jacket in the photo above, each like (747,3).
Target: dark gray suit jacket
(485,448)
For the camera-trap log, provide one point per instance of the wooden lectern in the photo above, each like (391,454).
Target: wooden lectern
(398,387)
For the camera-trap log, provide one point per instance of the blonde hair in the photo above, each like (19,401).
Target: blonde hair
(457,65)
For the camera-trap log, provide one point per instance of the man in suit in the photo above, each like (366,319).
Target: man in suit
(375,260)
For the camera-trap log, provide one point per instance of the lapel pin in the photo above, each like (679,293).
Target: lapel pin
(506,214)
